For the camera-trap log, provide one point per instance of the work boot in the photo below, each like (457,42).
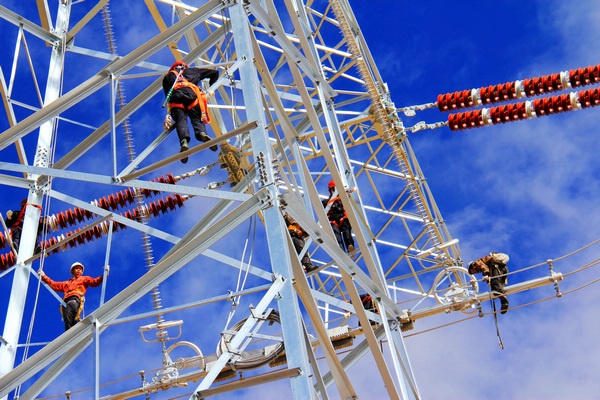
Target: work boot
(184,147)
(504,305)
(350,248)
(203,137)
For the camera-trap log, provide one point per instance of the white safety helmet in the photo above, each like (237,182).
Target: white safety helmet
(75,264)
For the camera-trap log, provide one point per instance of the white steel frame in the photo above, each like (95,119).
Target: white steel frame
(309,105)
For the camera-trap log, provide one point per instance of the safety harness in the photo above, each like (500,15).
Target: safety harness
(336,209)
(368,303)
(79,310)
(200,100)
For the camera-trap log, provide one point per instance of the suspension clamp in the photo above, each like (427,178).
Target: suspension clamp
(406,323)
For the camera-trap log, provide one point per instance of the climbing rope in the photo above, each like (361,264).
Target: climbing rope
(495,313)
(243,270)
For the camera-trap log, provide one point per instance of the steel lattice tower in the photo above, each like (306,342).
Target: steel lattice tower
(299,102)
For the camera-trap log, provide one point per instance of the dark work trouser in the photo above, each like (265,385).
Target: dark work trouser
(343,234)
(299,245)
(181,125)
(70,311)
(498,280)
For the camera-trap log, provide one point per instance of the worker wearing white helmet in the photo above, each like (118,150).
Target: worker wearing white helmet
(74,289)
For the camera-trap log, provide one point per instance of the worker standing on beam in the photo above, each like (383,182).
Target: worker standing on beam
(74,291)
(186,99)
(339,220)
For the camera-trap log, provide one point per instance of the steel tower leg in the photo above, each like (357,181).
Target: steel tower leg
(291,318)
(16,305)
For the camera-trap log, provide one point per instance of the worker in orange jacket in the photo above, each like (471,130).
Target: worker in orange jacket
(74,291)
(298,239)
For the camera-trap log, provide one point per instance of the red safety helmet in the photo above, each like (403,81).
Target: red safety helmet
(178,65)
(331,185)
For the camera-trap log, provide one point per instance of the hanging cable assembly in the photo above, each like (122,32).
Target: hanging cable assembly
(106,263)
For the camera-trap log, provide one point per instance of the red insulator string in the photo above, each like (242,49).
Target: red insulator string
(154,209)
(524,110)
(111,202)
(519,89)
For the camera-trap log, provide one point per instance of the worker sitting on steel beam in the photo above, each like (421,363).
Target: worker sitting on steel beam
(185,100)
(298,235)
(74,291)
(494,270)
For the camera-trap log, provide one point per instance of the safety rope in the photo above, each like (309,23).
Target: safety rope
(495,313)
(243,270)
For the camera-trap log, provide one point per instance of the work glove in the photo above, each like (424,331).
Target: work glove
(9,214)
(107,269)
(486,279)
(168,122)
(41,273)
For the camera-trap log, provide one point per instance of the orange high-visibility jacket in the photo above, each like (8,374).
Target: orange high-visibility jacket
(74,286)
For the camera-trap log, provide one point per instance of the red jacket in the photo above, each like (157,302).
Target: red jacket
(74,286)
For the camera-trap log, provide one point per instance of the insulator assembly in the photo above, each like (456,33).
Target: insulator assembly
(231,160)
(73,216)
(519,89)
(524,110)
(154,209)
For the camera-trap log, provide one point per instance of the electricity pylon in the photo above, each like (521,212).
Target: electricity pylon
(299,103)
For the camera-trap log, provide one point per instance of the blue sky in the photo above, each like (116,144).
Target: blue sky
(525,188)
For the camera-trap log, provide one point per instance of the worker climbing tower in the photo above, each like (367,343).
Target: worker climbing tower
(299,102)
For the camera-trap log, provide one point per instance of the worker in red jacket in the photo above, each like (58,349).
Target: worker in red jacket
(74,291)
